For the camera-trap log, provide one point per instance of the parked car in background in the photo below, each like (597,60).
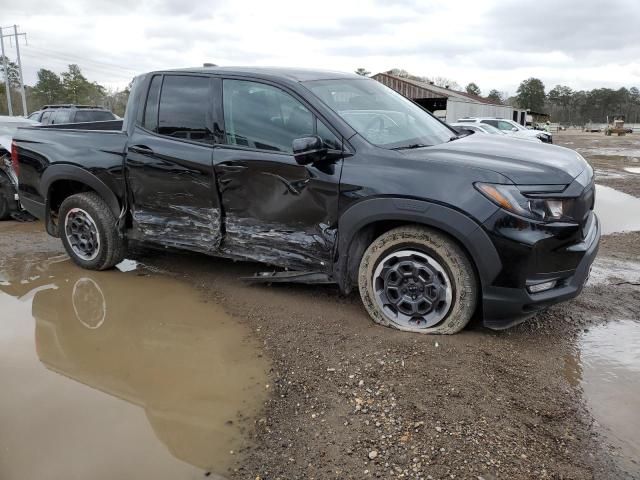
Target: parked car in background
(509,127)
(329,177)
(485,128)
(56,114)
(9,203)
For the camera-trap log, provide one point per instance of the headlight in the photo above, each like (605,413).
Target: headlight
(513,200)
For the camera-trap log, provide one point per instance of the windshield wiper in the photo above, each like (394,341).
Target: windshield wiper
(460,135)
(410,147)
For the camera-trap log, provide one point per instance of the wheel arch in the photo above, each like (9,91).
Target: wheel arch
(61,181)
(361,223)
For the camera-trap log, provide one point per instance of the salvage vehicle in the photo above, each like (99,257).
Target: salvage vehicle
(70,113)
(488,129)
(329,177)
(9,202)
(510,128)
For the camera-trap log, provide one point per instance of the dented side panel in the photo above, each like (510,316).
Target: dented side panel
(173,200)
(276,211)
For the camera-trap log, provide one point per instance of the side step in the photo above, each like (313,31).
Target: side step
(289,277)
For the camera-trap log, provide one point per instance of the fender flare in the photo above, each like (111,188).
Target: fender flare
(456,224)
(78,174)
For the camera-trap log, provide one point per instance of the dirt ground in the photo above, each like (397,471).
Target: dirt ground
(352,400)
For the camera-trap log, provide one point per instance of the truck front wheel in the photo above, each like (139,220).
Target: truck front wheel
(88,231)
(417,279)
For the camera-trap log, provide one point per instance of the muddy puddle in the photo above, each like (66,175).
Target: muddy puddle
(606,367)
(617,211)
(109,375)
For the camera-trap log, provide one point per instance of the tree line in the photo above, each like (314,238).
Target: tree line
(70,86)
(562,103)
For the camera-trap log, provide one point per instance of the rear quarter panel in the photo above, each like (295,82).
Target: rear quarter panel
(99,152)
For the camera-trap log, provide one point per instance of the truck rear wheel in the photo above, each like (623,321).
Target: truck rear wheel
(88,231)
(5,206)
(417,279)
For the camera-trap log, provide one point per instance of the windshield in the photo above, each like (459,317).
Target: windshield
(491,129)
(382,116)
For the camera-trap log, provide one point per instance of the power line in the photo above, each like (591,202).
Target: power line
(69,56)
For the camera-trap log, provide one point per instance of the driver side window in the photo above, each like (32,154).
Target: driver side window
(263,117)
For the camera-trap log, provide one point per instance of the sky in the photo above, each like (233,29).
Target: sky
(495,43)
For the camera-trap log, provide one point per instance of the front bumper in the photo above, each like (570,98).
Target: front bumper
(507,301)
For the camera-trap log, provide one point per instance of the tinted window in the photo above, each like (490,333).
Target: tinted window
(61,116)
(93,116)
(185,105)
(493,123)
(150,119)
(329,139)
(263,117)
(46,116)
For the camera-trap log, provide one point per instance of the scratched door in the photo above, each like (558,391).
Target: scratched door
(274,210)
(169,166)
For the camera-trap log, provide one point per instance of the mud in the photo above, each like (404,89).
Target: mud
(347,399)
(610,157)
(114,375)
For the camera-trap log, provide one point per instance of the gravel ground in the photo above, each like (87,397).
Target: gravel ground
(352,400)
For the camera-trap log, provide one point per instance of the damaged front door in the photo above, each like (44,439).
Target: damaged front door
(169,165)
(275,211)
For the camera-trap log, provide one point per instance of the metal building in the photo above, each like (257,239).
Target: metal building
(449,105)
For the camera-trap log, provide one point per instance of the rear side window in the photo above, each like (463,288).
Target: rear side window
(46,117)
(185,108)
(493,123)
(264,117)
(61,116)
(93,116)
(150,119)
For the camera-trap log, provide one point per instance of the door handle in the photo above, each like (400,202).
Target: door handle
(230,168)
(141,149)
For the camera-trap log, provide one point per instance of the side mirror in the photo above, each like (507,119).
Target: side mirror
(308,150)
(514,129)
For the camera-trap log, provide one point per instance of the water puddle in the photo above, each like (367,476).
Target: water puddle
(617,211)
(117,375)
(606,367)
(613,270)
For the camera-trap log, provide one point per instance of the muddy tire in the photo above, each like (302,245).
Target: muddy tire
(5,206)
(417,279)
(88,231)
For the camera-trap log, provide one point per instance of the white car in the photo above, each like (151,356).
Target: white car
(509,127)
(485,128)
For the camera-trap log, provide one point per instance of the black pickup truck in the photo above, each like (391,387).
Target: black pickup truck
(330,177)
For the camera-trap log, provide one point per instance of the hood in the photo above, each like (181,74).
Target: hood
(524,163)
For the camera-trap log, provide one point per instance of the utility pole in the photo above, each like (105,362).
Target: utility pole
(6,72)
(7,81)
(24,97)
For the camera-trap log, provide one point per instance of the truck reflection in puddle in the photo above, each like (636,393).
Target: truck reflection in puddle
(151,341)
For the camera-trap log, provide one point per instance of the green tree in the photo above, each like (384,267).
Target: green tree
(496,97)
(363,71)
(14,72)
(48,89)
(530,94)
(473,89)
(77,89)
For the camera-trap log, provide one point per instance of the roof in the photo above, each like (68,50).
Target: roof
(295,74)
(434,89)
